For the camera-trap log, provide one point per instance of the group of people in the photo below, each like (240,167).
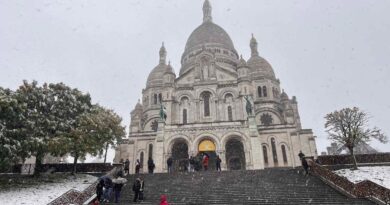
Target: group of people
(108,188)
(197,163)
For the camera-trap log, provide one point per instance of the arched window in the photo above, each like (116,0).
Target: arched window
(284,154)
(264,91)
(155,98)
(265,154)
(259,91)
(150,151)
(274,154)
(160,98)
(230,113)
(206,104)
(184,116)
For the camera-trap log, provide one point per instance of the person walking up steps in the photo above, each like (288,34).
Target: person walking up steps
(205,162)
(136,189)
(218,163)
(118,184)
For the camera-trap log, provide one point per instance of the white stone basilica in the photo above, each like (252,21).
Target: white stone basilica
(206,109)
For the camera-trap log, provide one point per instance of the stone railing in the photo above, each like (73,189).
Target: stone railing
(360,158)
(364,189)
(79,197)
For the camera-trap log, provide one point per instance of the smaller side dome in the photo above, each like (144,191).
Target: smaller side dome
(284,96)
(155,76)
(169,69)
(138,106)
(259,66)
(242,62)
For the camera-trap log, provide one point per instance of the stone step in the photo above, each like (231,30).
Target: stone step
(270,186)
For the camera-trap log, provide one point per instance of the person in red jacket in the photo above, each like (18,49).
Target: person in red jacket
(163,200)
(205,162)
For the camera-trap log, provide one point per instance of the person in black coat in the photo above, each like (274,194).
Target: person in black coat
(218,163)
(99,189)
(305,166)
(151,166)
(136,189)
(169,164)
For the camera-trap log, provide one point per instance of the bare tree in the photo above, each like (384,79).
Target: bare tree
(348,127)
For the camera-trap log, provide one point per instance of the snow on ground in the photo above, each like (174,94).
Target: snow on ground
(44,193)
(379,175)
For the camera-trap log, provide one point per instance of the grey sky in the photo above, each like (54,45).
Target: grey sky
(330,54)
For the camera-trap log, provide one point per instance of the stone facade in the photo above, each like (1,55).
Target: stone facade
(207,102)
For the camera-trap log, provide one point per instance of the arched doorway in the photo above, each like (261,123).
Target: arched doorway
(180,155)
(207,147)
(235,155)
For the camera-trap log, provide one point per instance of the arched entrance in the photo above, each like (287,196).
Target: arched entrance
(235,155)
(207,147)
(180,155)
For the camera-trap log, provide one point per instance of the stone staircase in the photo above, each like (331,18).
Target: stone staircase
(270,186)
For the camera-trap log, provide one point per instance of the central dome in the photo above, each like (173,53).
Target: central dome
(211,34)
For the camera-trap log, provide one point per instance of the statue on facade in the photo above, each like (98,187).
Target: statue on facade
(248,106)
(163,113)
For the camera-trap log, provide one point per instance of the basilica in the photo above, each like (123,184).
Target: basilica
(219,104)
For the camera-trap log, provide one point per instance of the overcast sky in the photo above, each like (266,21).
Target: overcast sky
(330,54)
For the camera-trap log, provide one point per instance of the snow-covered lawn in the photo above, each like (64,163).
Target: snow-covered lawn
(45,192)
(379,175)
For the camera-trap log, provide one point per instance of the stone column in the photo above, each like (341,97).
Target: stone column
(257,154)
(159,150)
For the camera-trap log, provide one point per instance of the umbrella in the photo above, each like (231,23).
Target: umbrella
(119,180)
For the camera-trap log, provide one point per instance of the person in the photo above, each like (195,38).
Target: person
(141,189)
(136,189)
(163,200)
(99,190)
(218,163)
(169,164)
(192,164)
(137,166)
(118,184)
(305,166)
(301,155)
(151,165)
(107,189)
(127,164)
(205,162)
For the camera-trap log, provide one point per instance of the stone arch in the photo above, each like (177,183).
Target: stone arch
(148,123)
(278,119)
(265,149)
(222,93)
(179,152)
(150,147)
(185,93)
(202,90)
(140,153)
(204,136)
(236,150)
(174,138)
(287,153)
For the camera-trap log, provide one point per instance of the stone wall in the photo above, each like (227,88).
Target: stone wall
(364,189)
(361,158)
(68,167)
